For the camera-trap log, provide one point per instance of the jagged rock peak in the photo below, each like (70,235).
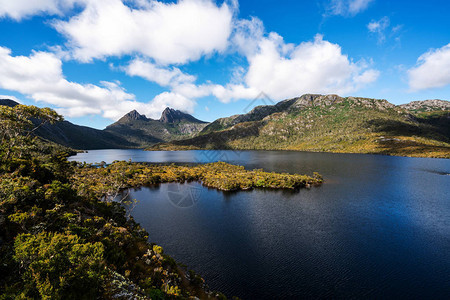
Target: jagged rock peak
(132,116)
(170,115)
(427,105)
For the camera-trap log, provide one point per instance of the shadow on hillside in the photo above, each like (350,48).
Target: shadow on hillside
(134,136)
(220,140)
(398,128)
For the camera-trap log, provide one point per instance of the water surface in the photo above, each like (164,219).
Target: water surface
(378,228)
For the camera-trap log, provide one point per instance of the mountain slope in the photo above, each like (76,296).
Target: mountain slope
(8,102)
(325,123)
(427,106)
(75,136)
(170,115)
(143,131)
(133,130)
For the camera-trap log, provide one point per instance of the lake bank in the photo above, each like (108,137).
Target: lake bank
(377,228)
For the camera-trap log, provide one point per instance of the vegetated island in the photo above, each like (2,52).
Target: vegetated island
(100,181)
(62,235)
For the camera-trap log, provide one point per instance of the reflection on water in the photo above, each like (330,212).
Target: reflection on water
(378,228)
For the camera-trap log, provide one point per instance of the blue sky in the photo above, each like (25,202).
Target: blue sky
(95,60)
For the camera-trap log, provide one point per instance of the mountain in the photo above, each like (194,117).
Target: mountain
(427,106)
(74,136)
(133,130)
(330,123)
(311,122)
(8,102)
(132,116)
(143,131)
(170,115)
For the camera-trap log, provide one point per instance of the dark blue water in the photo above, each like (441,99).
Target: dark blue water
(378,228)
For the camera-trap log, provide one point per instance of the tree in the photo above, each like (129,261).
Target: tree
(17,126)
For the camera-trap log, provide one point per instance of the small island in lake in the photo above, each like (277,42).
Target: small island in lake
(219,175)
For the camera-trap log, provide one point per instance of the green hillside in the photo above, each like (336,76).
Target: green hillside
(328,123)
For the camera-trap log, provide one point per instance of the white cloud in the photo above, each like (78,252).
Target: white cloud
(379,27)
(357,6)
(279,69)
(166,32)
(367,76)
(19,9)
(10,97)
(166,99)
(225,93)
(40,77)
(347,7)
(432,70)
(247,34)
(284,70)
(160,75)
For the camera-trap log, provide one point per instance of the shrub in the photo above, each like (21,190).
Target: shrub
(60,266)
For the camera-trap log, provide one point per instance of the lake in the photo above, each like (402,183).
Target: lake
(379,227)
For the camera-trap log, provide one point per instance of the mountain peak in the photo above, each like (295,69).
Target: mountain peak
(8,102)
(170,115)
(427,105)
(132,116)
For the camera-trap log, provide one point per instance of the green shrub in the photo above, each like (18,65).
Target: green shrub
(60,266)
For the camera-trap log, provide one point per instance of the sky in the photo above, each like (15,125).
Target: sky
(95,60)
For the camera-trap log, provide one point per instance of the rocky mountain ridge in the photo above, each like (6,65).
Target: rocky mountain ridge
(311,122)
(133,130)
(327,123)
(427,105)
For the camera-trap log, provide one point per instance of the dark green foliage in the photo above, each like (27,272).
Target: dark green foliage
(56,243)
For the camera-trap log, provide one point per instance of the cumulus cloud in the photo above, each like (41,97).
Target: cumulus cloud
(280,70)
(346,7)
(166,32)
(225,93)
(160,37)
(283,70)
(19,9)
(162,76)
(432,70)
(247,35)
(40,77)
